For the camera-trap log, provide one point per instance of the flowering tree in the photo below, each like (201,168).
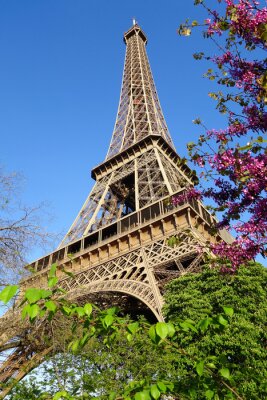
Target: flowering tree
(235,157)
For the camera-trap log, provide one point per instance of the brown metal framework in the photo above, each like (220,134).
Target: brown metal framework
(139,113)
(119,239)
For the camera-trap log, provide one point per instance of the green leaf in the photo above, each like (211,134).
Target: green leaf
(79,311)
(33,311)
(112,396)
(204,324)
(225,372)
(132,328)
(155,393)
(190,145)
(200,368)
(8,292)
(260,140)
(211,365)
(52,271)
(170,386)
(162,387)
(42,313)
(263,31)
(187,326)
(52,281)
(45,293)
(222,320)
(25,311)
(142,395)
(129,337)
(209,394)
(224,25)
(193,393)
(229,311)
(33,295)
(75,345)
(171,329)
(66,310)
(112,310)
(244,179)
(108,320)
(172,241)
(152,334)
(59,395)
(88,308)
(84,339)
(162,330)
(50,305)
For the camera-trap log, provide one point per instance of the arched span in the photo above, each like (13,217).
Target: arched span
(139,290)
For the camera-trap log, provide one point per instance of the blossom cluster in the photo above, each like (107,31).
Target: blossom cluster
(238,171)
(244,18)
(247,19)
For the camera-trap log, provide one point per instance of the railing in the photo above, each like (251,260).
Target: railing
(126,224)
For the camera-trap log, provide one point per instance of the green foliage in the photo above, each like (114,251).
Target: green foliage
(8,293)
(212,347)
(101,370)
(240,303)
(30,390)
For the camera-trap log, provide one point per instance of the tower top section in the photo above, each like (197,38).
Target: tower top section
(139,113)
(135,30)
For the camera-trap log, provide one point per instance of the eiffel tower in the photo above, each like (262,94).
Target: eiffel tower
(119,240)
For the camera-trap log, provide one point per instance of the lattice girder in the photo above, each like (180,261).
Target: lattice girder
(129,185)
(139,113)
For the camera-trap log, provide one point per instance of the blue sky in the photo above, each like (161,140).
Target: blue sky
(60,78)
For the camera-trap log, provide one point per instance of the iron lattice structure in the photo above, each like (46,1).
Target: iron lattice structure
(139,113)
(119,239)
(139,116)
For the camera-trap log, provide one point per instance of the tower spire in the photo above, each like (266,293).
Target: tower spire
(139,113)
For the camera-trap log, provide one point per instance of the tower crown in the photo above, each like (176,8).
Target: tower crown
(135,30)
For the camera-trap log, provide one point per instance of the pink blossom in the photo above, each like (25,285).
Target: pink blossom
(239,171)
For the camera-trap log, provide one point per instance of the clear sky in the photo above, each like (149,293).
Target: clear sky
(60,78)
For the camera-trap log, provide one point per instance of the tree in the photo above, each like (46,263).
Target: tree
(98,369)
(234,159)
(212,346)
(20,229)
(241,345)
